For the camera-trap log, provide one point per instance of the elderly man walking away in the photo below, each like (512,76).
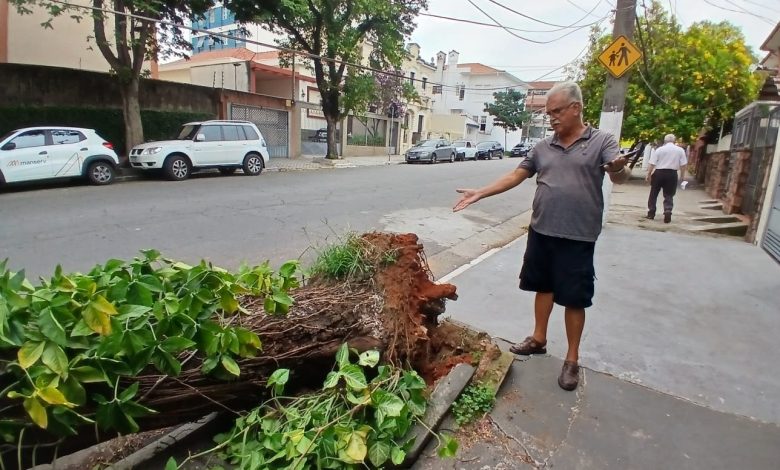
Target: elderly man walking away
(566,221)
(662,174)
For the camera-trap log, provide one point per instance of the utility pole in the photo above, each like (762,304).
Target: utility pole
(615,93)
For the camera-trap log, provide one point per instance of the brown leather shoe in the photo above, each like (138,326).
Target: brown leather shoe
(570,376)
(529,346)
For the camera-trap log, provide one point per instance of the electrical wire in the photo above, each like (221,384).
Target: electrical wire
(741,11)
(492,25)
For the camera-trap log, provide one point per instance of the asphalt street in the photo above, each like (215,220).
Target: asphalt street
(229,220)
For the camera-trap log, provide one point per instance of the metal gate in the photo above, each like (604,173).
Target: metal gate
(771,241)
(273,123)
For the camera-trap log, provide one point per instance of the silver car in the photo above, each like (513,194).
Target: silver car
(431,151)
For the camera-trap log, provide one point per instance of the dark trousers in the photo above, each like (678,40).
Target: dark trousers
(666,180)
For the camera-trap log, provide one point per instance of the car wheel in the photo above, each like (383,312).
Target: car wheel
(452,158)
(253,164)
(501,155)
(177,168)
(100,173)
(227,170)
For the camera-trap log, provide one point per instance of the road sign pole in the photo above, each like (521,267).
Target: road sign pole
(615,93)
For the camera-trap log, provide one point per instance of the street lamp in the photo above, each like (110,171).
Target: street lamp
(236,65)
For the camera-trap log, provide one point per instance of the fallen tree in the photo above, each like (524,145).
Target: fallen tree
(153,342)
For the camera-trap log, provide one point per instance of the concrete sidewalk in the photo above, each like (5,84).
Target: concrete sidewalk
(679,355)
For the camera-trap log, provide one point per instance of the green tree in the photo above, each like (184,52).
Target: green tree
(127,43)
(333,32)
(687,80)
(508,110)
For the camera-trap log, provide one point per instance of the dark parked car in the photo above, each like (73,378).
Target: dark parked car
(431,151)
(489,149)
(520,150)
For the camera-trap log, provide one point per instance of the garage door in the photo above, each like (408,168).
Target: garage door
(273,123)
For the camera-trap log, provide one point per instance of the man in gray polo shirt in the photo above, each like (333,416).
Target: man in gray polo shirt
(566,221)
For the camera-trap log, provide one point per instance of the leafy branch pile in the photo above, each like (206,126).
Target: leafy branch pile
(351,423)
(71,348)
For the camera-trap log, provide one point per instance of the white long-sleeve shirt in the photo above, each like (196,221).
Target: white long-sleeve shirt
(668,157)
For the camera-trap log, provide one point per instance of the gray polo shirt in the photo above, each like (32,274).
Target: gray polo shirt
(568,202)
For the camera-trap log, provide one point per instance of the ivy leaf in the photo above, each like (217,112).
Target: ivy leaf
(390,404)
(55,359)
(53,396)
(449,447)
(98,314)
(397,455)
(378,453)
(331,380)
(176,344)
(354,377)
(51,328)
(37,412)
(356,447)
(29,354)
(342,355)
(369,358)
(288,269)
(230,365)
(278,380)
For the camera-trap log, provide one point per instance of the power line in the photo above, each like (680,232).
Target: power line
(534,40)
(492,25)
(741,11)
(532,18)
(762,5)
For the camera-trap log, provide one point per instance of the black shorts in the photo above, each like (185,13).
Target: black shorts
(561,266)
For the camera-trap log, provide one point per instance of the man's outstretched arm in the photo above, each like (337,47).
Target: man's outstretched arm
(504,183)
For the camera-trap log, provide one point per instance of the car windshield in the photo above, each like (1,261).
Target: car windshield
(187,132)
(484,145)
(427,143)
(459,143)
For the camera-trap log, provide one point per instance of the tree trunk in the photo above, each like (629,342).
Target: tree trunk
(131,112)
(332,151)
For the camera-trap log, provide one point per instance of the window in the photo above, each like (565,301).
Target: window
(231,133)
(250,133)
(30,139)
(424,82)
(436,90)
(482,123)
(411,78)
(212,16)
(461,92)
(211,133)
(225,13)
(420,123)
(64,137)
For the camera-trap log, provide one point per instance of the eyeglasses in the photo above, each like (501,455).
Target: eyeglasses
(557,111)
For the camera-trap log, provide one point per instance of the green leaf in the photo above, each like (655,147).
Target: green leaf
(171,464)
(356,447)
(88,374)
(269,305)
(278,380)
(138,294)
(16,301)
(230,365)
(129,392)
(342,355)
(228,303)
(51,328)
(176,344)
(97,315)
(209,365)
(37,412)
(449,447)
(369,358)
(354,377)
(166,363)
(55,359)
(390,404)
(29,354)
(53,396)
(331,380)
(131,312)
(81,329)
(379,453)
(397,455)
(73,390)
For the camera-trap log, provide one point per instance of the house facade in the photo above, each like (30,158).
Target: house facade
(460,94)
(67,42)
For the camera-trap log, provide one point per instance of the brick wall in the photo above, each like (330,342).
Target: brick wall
(716,174)
(735,189)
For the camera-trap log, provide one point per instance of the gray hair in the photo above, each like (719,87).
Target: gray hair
(570,89)
(669,138)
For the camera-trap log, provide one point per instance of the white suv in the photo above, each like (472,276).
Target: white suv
(226,145)
(37,153)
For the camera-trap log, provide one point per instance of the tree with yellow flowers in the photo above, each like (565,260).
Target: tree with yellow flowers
(686,81)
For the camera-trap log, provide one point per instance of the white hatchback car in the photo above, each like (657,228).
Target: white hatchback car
(225,145)
(38,153)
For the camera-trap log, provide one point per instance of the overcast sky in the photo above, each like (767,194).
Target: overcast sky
(530,61)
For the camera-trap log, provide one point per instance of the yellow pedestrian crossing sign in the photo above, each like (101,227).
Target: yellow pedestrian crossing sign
(619,56)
